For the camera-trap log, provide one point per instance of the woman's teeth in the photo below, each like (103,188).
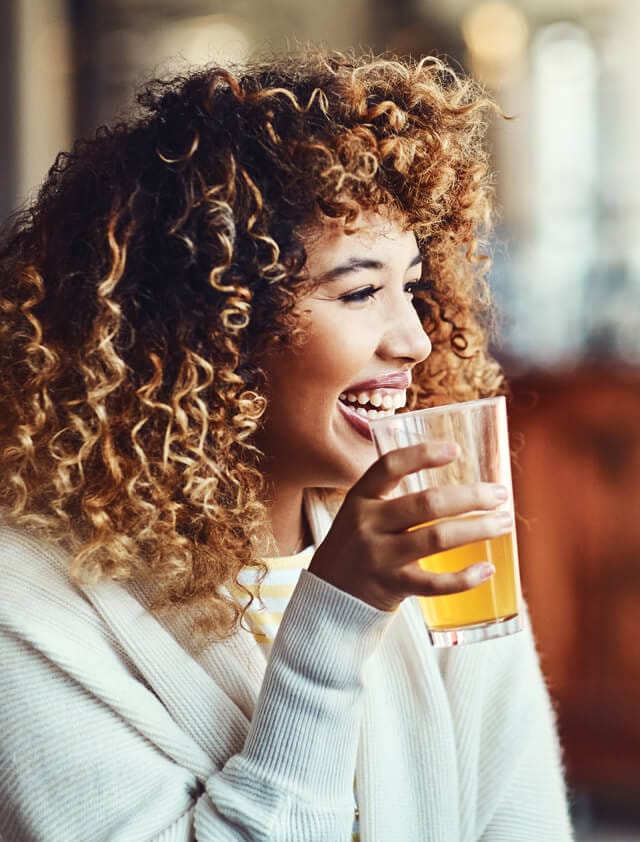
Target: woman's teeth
(374,404)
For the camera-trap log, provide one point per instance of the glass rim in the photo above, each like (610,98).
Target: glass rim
(436,410)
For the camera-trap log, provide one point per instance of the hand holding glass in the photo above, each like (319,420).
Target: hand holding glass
(480,429)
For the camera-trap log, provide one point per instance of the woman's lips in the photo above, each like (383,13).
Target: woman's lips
(392,380)
(359,424)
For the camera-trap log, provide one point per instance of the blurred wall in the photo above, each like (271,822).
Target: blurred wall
(121,43)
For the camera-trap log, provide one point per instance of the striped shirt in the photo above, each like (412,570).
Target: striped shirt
(264,614)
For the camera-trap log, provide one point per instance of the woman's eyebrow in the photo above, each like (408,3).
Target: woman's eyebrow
(357,264)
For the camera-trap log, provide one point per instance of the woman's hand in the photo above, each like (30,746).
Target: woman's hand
(370,552)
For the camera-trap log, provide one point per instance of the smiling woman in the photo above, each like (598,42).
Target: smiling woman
(207,613)
(363,339)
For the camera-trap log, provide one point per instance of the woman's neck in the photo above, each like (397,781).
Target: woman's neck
(288,521)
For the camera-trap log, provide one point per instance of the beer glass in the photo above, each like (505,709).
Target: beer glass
(479,427)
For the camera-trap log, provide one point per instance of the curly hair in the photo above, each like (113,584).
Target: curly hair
(158,259)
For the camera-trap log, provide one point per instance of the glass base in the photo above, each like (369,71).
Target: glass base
(477,633)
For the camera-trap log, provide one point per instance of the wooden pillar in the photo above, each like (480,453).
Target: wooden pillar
(8,102)
(42,66)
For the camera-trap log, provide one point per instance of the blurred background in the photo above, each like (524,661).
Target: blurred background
(566,278)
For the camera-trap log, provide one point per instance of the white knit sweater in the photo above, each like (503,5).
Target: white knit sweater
(112,729)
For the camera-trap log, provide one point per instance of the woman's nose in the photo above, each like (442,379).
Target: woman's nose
(405,337)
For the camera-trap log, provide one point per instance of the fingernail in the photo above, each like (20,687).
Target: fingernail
(448,449)
(504,521)
(485,571)
(500,493)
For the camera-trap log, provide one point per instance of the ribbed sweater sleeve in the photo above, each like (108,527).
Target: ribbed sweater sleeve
(294,778)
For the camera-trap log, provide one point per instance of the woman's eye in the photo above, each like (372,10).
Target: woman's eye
(417,286)
(359,295)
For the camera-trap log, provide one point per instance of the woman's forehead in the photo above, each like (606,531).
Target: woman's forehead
(379,238)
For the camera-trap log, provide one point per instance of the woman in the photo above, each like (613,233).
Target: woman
(200,311)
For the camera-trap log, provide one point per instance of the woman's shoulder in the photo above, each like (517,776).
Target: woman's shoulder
(23,552)
(36,587)
(49,615)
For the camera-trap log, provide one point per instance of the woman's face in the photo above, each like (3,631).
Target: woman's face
(364,338)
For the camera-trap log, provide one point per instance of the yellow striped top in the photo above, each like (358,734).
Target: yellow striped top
(265,613)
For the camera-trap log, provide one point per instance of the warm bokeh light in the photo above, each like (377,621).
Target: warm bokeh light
(203,39)
(495,32)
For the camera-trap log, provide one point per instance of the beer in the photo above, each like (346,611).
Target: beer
(492,601)
(479,428)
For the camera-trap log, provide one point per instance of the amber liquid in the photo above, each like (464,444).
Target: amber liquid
(493,600)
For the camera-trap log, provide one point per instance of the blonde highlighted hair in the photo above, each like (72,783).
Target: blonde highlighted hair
(161,256)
